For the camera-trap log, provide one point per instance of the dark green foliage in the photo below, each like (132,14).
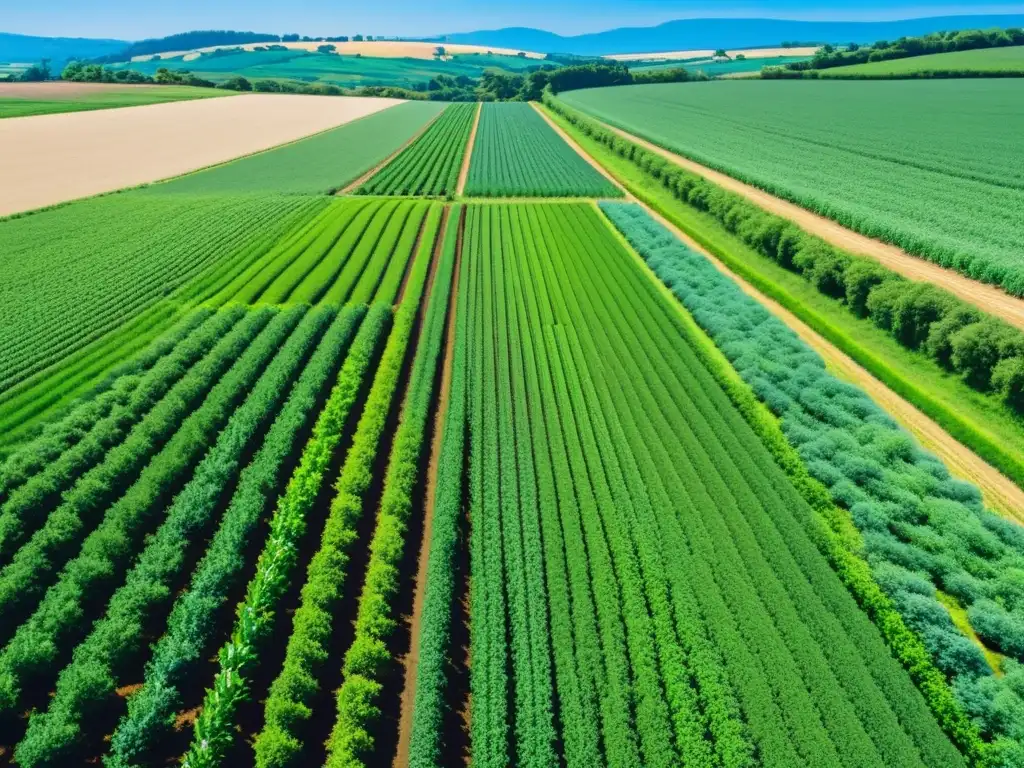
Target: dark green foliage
(918,315)
(190,627)
(921,529)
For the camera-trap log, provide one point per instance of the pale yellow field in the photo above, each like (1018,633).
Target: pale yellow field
(750,53)
(51,159)
(382,49)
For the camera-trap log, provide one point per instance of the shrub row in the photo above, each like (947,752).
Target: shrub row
(58,436)
(369,659)
(34,566)
(214,728)
(129,401)
(107,551)
(193,620)
(987,353)
(92,676)
(920,529)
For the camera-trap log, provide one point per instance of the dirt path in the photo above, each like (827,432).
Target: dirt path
(579,150)
(348,189)
(986,297)
(412,659)
(999,492)
(464,172)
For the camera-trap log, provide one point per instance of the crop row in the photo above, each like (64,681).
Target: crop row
(76,273)
(923,531)
(629,526)
(355,251)
(430,165)
(931,178)
(517,154)
(257,613)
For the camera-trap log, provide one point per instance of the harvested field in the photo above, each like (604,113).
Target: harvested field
(64,157)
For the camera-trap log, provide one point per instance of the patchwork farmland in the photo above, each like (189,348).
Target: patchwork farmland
(466,433)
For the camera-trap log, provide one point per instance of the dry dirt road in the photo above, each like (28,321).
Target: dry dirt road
(49,159)
(1000,493)
(986,297)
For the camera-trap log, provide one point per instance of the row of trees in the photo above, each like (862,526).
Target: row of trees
(829,56)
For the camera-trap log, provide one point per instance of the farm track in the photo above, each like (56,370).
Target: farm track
(999,491)
(377,168)
(409,663)
(464,173)
(579,150)
(988,298)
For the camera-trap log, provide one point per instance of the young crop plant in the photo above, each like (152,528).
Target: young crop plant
(430,165)
(931,178)
(83,684)
(617,487)
(191,626)
(915,548)
(256,614)
(517,154)
(369,659)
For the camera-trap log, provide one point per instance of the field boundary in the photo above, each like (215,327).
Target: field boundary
(988,298)
(998,490)
(409,663)
(468,157)
(353,185)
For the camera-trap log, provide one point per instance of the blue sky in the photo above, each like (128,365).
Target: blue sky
(130,19)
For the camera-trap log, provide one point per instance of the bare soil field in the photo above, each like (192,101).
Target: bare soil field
(381,49)
(51,159)
(750,53)
(988,298)
(58,89)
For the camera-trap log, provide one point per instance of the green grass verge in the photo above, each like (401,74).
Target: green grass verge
(103,99)
(977,420)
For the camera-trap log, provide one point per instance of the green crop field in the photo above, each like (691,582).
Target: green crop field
(320,163)
(332,69)
(15,106)
(716,68)
(517,154)
(295,472)
(922,165)
(431,164)
(982,61)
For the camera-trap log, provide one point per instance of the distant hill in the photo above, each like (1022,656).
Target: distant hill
(26,49)
(187,41)
(689,34)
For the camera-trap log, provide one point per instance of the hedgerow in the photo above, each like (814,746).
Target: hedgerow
(920,529)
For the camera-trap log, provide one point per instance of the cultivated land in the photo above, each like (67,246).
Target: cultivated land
(27,99)
(385,49)
(750,53)
(918,164)
(982,61)
(391,480)
(54,158)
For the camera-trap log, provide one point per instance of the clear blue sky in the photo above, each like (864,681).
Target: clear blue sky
(132,20)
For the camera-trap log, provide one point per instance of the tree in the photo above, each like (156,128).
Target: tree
(289,38)
(439,51)
(326,48)
(37,72)
(721,54)
(357,38)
